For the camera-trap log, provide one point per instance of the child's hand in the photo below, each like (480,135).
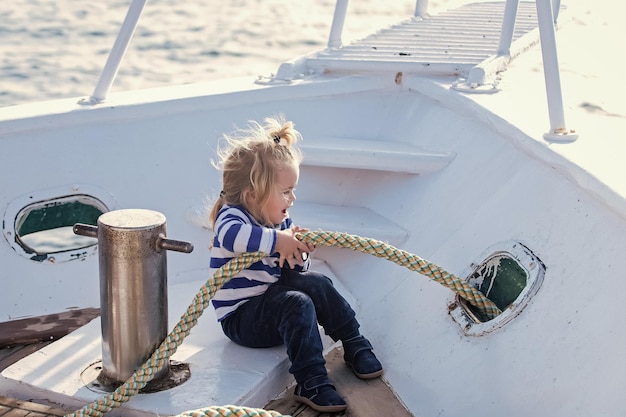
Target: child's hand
(290,248)
(299,229)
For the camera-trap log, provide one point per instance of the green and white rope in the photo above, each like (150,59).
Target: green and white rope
(230,411)
(406,259)
(201,301)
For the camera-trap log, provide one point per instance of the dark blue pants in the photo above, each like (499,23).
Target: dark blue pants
(288,313)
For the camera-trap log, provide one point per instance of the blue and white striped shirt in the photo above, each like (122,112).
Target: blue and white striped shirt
(236,232)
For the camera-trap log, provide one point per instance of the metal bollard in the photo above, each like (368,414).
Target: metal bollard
(133,289)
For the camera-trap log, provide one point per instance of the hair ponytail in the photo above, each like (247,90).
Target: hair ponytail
(217,206)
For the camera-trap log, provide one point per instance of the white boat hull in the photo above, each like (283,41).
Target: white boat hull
(488,177)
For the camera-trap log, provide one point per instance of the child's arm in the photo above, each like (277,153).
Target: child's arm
(237,236)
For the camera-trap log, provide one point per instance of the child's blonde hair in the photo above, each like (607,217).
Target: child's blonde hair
(249,160)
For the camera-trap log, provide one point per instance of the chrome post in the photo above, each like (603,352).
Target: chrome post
(133,289)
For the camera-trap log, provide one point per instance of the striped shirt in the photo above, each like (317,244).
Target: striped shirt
(236,232)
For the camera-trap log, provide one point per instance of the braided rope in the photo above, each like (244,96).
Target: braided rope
(230,411)
(201,301)
(413,262)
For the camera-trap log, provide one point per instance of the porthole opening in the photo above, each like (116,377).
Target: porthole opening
(509,274)
(501,279)
(45,227)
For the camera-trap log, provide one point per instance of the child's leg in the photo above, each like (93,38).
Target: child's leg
(334,313)
(338,320)
(284,315)
(280,316)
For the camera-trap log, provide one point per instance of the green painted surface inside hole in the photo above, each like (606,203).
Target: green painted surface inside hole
(47,227)
(58,214)
(501,279)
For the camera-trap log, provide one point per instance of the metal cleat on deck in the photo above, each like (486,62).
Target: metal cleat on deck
(133,296)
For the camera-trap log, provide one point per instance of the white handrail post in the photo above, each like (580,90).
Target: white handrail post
(421,8)
(556,7)
(341,8)
(117,52)
(547,35)
(508,26)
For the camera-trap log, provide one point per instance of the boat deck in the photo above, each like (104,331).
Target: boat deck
(73,340)
(372,397)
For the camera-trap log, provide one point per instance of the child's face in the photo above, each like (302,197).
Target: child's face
(282,195)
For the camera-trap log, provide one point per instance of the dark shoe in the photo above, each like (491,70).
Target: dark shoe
(359,356)
(319,394)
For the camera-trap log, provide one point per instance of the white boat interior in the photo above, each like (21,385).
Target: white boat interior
(434,135)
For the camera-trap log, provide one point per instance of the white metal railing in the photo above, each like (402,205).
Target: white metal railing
(508,26)
(117,52)
(547,13)
(341,8)
(421,8)
(547,19)
(336,29)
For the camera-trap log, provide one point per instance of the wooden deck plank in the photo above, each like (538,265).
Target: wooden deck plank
(20,338)
(10,407)
(364,397)
(8,356)
(44,328)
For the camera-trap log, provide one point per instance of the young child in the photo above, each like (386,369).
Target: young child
(278,300)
